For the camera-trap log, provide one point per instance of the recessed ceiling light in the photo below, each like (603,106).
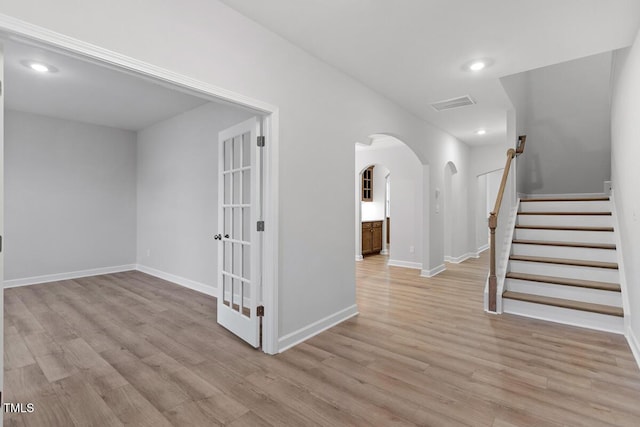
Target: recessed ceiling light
(40,67)
(477,66)
(481,132)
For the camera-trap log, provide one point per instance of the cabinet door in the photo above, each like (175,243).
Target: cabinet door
(376,239)
(366,239)
(367,184)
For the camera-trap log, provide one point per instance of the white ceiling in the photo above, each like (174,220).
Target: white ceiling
(87,92)
(412,51)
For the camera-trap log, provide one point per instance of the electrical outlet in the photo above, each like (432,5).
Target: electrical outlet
(411,249)
(148,252)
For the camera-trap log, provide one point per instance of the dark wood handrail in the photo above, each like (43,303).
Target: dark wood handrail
(493,221)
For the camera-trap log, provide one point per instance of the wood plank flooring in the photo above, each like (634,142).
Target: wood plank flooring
(130,349)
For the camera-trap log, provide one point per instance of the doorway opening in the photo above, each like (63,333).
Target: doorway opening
(389,218)
(374,212)
(488,185)
(192,97)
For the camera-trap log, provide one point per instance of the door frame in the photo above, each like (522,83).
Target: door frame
(1,222)
(24,32)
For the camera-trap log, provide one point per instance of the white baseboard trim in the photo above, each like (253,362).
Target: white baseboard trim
(404,264)
(434,271)
(67,276)
(303,334)
(634,343)
(482,249)
(359,257)
(462,258)
(187,283)
(567,195)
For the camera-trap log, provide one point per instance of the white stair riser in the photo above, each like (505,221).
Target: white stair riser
(567,271)
(565,235)
(585,254)
(584,319)
(597,206)
(573,293)
(567,220)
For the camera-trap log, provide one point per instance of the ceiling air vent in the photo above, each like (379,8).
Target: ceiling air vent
(449,104)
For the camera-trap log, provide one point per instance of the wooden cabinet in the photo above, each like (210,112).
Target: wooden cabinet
(371,237)
(367,184)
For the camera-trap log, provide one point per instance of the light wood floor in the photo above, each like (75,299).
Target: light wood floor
(131,349)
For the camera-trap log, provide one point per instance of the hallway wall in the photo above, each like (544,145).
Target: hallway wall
(215,45)
(625,134)
(564,110)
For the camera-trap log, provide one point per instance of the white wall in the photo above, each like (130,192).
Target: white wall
(488,161)
(322,112)
(449,209)
(406,199)
(493,185)
(625,152)
(70,196)
(456,206)
(489,158)
(564,111)
(177,187)
(488,185)
(481,211)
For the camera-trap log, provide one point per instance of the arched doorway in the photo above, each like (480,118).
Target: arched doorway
(397,200)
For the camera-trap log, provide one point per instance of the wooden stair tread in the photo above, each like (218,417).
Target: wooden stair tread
(566,199)
(558,302)
(565,244)
(581,213)
(563,227)
(563,261)
(605,286)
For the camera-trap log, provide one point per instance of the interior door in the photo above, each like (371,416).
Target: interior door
(239,210)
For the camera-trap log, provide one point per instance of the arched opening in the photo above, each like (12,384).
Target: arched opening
(393,214)
(374,214)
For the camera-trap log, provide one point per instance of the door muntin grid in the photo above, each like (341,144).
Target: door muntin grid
(237,213)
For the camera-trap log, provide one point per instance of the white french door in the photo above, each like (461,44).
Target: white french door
(240,244)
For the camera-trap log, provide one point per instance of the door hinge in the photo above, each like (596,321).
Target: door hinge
(260,311)
(261,141)
(260,225)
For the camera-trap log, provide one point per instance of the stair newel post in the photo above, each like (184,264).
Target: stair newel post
(493,280)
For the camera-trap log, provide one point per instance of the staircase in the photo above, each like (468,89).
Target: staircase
(563,264)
